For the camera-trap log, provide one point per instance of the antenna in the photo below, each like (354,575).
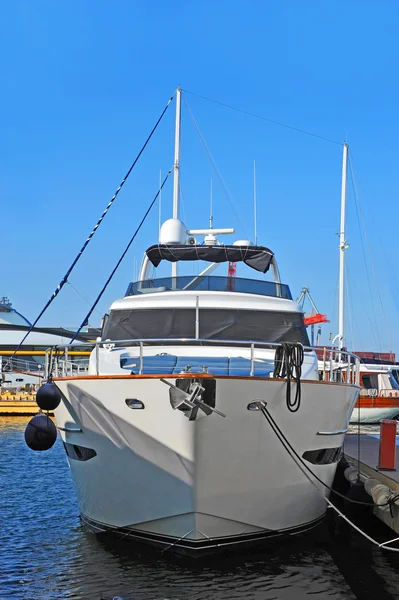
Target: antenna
(255,231)
(210,211)
(176,167)
(160,202)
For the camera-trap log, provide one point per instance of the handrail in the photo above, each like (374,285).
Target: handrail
(43,352)
(382,393)
(351,366)
(389,393)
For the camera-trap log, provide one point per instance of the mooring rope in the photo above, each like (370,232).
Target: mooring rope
(288,363)
(302,466)
(120,259)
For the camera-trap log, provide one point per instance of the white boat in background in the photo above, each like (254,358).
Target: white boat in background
(175,437)
(379,396)
(379,387)
(28,365)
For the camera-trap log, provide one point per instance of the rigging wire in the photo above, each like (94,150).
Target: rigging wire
(359,210)
(250,114)
(373,325)
(335,304)
(392,269)
(354,328)
(349,306)
(83,248)
(83,298)
(85,320)
(182,202)
(215,168)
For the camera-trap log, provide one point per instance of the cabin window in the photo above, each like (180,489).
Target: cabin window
(370,381)
(393,381)
(227,324)
(395,376)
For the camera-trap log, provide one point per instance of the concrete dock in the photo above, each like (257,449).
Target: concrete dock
(19,404)
(368,461)
(17,408)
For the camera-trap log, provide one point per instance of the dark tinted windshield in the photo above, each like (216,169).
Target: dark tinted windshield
(210,283)
(262,326)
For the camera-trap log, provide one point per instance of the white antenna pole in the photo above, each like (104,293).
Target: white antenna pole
(211,210)
(177,156)
(160,202)
(255,231)
(176,167)
(342,244)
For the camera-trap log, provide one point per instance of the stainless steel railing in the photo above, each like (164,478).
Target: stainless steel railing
(25,366)
(342,366)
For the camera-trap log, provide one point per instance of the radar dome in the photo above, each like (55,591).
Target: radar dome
(243,243)
(173,231)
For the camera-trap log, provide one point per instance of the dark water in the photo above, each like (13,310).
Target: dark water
(45,554)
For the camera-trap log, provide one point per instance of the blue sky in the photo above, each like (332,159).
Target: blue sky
(83,83)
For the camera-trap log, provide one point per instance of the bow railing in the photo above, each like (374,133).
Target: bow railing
(343,367)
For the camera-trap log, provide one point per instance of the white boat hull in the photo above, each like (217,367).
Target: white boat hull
(374,415)
(196,485)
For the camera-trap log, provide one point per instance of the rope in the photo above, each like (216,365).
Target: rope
(83,248)
(83,298)
(286,443)
(288,363)
(359,210)
(215,168)
(301,464)
(120,259)
(373,324)
(245,112)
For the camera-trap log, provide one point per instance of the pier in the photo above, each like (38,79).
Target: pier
(364,450)
(17,406)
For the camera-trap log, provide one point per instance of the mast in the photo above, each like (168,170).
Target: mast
(176,167)
(342,247)
(255,217)
(211,209)
(160,203)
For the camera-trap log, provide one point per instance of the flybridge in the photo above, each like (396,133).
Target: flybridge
(256,257)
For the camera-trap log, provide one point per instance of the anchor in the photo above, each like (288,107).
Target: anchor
(190,402)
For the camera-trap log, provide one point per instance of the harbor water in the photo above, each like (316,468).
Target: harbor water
(45,554)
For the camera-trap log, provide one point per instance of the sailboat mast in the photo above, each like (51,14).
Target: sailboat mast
(342,244)
(176,167)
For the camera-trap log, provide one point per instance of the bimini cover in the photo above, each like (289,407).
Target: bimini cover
(256,257)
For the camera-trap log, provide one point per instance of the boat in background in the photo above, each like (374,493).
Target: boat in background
(379,396)
(379,379)
(23,371)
